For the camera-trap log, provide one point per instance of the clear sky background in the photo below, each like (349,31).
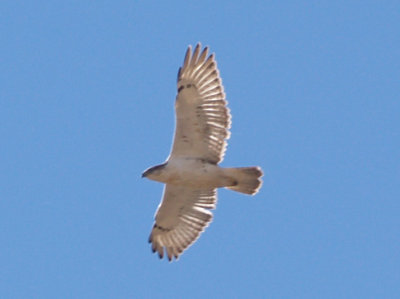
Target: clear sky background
(87,93)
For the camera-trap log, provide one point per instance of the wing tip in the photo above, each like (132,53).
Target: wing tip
(193,56)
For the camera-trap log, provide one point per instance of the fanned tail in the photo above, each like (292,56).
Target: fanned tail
(248,179)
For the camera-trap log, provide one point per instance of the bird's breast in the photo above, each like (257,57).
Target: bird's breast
(193,172)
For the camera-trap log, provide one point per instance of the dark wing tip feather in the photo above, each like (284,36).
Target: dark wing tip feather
(179,74)
(187,57)
(196,53)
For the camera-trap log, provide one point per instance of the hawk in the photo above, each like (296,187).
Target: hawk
(191,173)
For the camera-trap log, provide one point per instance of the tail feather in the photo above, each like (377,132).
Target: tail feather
(247,179)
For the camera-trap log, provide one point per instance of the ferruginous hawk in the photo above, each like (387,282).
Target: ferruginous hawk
(191,173)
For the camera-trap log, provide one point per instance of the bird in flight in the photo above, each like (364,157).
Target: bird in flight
(191,173)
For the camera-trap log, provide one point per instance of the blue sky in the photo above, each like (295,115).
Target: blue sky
(87,92)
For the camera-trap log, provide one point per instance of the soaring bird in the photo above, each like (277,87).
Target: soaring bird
(191,173)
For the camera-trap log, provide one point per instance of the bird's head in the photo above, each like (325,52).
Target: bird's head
(153,172)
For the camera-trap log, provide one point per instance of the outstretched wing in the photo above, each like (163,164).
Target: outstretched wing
(202,118)
(181,217)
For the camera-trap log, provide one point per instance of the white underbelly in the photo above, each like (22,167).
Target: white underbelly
(196,173)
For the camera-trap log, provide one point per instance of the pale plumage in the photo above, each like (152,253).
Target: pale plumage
(202,118)
(191,173)
(182,216)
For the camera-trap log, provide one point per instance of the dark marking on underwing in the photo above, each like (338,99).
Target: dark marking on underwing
(199,111)
(206,161)
(163,229)
(185,138)
(181,210)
